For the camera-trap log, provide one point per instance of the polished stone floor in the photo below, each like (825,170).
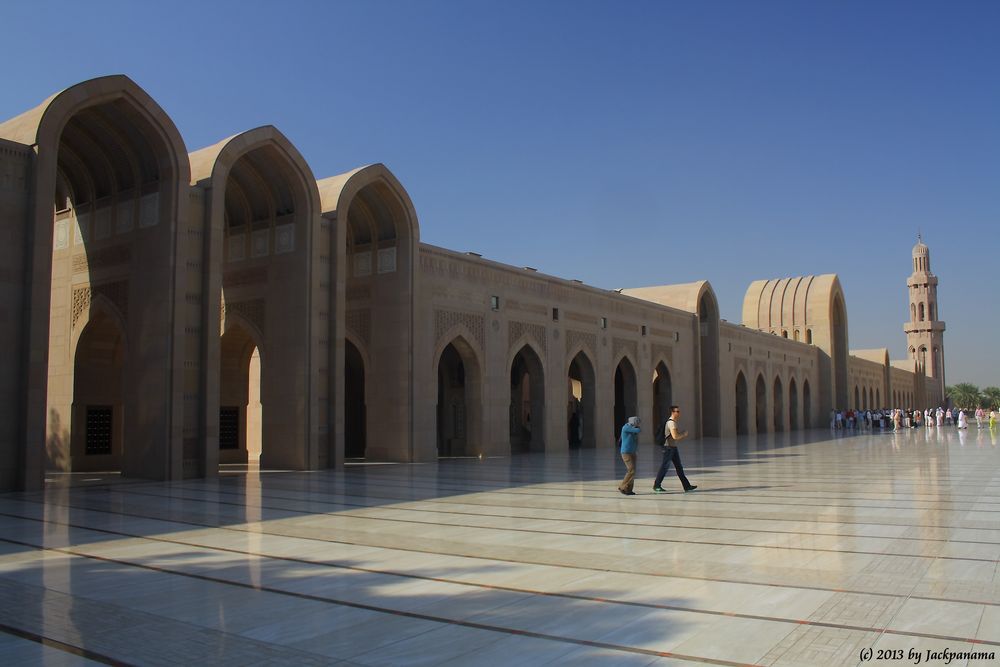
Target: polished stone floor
(797,549)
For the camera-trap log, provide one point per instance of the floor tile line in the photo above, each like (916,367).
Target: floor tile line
(395,612)
(536,531)
(65,647)
(645,514)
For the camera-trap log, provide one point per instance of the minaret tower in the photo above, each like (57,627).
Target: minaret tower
(924,331)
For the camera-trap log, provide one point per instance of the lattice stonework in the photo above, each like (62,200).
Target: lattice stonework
(359,322)
(251,309)
(627,346)
(116,293)
(446,319)
(534,332)
(587,340)
(663,352)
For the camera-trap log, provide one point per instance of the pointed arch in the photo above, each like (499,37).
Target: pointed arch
(581,410)
(459,404)
(742,404)
(104,151)
(527,400)
(760,402)
(793,404)
(626,392)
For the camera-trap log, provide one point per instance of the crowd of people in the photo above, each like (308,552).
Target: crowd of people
(897,418)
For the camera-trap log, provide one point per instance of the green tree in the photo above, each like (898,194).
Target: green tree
(991,397)
(963,395)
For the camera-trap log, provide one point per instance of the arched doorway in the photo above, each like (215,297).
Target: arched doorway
(839,351)
(857,398)
(878,399)
(662,395)
(761,399)
(779,406)
(527,402)
(871,399)
(793,404)
(355,407)
(742,405)
(458,406)
(580,410)
(807,420)
(708,322)
(241,411)
(626,404)
(97,433)
(108,188)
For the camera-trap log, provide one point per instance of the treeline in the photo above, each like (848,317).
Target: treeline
(965,395)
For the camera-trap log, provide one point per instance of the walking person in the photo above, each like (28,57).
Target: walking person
(630,443)
(670,453)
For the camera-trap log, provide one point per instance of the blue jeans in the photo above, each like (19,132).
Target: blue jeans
(671,455)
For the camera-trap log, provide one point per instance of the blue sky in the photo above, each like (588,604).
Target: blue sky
(623,144)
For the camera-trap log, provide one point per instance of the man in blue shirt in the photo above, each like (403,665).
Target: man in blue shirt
(630,444)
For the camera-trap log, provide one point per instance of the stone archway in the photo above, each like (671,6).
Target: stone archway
(527,402)
(793,404)
(807,419)
(662,395)
(580,410)
(242,418)
(459,401)
(97,434)
(626,403)
(761,404)
(779,406)
(106,207)
(742,405)
(355,405)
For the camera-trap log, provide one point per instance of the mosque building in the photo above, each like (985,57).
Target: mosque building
(169,311)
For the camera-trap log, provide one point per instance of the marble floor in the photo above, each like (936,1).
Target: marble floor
(797,549)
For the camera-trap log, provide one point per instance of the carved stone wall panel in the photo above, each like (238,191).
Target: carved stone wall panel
(115,292)
(358,292)
(446,319)
(103,258)
(630,347)
(251,309)
(580,317)
(533,308)
(663,352)
(624,326)
(245,277)
(359,323)
(585,339)
(534,332)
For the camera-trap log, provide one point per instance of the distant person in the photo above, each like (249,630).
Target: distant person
(670,453)
(980,413)
(948,418)
(993,418)
(963,421)
(630,444)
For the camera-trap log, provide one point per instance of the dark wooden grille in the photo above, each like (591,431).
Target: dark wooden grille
(229,428)
(99,420)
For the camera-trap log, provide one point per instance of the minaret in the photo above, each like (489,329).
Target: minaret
(924,331)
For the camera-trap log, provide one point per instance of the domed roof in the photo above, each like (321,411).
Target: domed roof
(921,249)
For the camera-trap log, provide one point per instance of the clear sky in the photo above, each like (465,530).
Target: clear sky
(621,143)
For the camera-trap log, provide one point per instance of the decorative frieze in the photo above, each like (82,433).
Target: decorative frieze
(629,347)
(103,258)
(521,330)
(359,322)
(245,277)
(444,320)
(586,340)
(115,292)
(253,310)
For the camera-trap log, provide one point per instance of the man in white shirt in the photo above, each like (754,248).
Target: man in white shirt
(670,453)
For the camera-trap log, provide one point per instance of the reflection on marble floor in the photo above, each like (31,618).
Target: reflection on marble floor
(797,549)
